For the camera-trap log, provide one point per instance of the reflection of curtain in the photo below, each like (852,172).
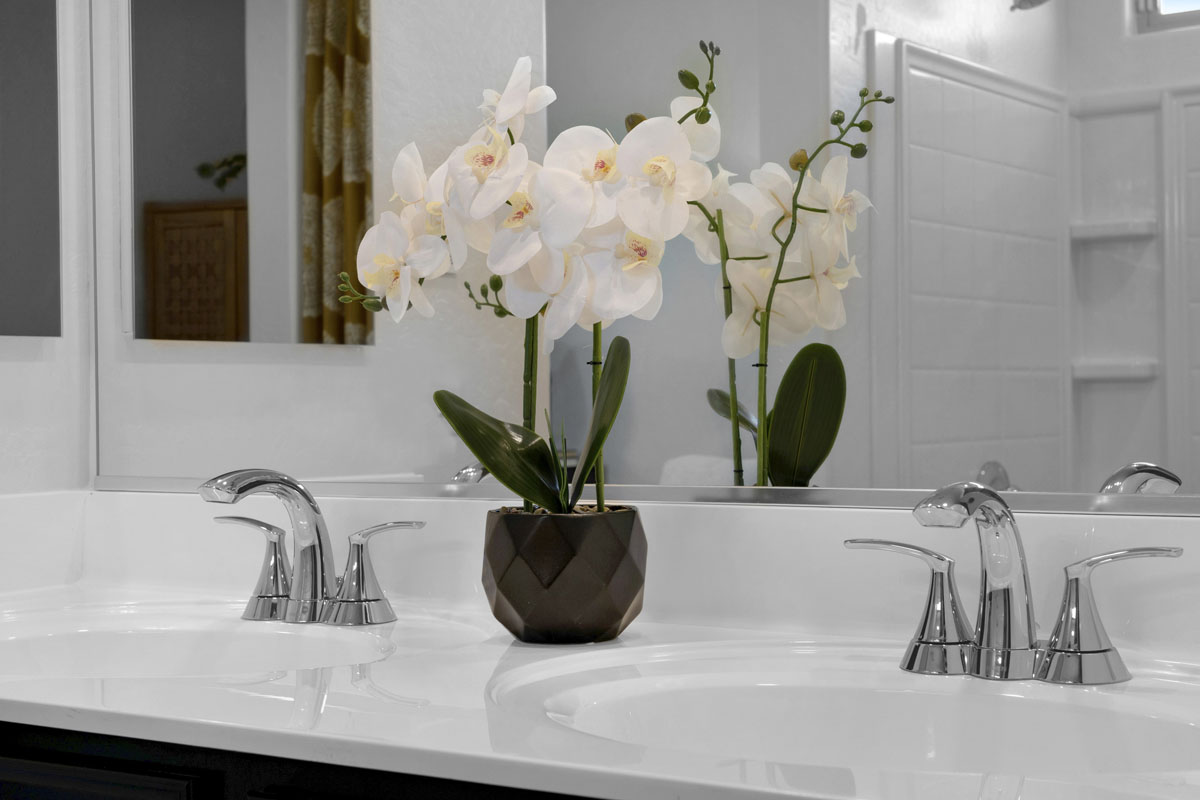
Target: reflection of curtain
(337,165)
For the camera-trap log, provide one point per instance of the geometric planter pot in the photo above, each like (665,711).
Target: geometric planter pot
(564,578)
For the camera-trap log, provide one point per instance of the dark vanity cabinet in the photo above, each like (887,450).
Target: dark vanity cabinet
(47,764)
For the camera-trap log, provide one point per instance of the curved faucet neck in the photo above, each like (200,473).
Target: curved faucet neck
(314,575)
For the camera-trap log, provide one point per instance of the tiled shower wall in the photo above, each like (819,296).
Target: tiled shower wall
(983,307)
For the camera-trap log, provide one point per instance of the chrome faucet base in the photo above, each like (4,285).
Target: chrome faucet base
(1082,669)
(936,658)
(1003,663)
(261,609)
(359,612)
(304,610)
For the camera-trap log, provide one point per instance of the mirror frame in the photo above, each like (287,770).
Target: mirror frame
(113,203)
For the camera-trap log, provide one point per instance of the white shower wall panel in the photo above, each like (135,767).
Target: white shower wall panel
(981,303)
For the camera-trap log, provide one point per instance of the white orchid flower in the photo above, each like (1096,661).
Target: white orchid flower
(656,160)
(591,154)
(625,270)
(706,138)
(736,217)
(556,280)
(842,209)
(506,110)
(484,172)
(822,293)
(392,262)
(425,209)
(548,210)
(791,315)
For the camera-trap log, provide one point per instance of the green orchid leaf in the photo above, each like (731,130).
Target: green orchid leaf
(804,423)
(609,394)
(718,401)
(518,457)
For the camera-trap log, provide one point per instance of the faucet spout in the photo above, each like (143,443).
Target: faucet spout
(314,579)
(1005,645)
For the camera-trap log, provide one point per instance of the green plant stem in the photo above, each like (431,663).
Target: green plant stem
(734,417)
(597,356)
(529,393)
(764,432)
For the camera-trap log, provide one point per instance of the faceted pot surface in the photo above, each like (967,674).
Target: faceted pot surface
(564,578)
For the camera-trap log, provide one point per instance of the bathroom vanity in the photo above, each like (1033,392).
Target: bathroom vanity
(762,664)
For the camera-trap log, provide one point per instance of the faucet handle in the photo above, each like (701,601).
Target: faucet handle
(1141,477)
(274,579)
(1079,650)
(943,638)
(360,599)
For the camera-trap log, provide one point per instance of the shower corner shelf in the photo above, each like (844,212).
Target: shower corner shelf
(1114,369)
(1111,230)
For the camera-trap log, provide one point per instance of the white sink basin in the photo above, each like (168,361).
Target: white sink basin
(851,707)
(166,641)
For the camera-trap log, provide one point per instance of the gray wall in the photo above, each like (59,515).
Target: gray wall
(772,97)
(29,241)
(189,104)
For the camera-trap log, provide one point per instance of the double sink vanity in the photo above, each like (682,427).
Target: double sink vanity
(767,659)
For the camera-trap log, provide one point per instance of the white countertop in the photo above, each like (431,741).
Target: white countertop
(429,708)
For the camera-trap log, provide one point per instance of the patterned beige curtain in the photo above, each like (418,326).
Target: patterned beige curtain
(337,165)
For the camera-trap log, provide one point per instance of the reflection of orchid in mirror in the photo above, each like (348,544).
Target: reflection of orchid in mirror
(780,242)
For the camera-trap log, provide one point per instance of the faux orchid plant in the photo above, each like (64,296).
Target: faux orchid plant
(575,240)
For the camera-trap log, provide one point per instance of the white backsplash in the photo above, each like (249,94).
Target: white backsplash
(780,568)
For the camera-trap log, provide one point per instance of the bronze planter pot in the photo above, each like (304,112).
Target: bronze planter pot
(564,578)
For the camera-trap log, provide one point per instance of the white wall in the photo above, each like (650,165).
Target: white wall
(28,171)
(1105,53)
(46,383)
(195,409)
(771,99)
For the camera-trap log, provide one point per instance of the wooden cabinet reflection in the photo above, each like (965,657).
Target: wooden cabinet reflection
(196,276)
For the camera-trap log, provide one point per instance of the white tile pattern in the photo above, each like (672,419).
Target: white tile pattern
(982,302)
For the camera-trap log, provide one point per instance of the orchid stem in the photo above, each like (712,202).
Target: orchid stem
(529,394)
(597,350)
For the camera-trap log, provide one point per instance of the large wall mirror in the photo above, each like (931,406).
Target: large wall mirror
(1031,265)
(29,187)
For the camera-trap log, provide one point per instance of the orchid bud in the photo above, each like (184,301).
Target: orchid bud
(878,94)
(866,125)
(703,47)
(716,51)
(496,282)
(858,151)
(500,312)
(710,87)
(633,120)
(837,117)
(483,291)
(345,300)
(688,79)
(703,115)
(889,100)
(864,92)
(799,159)
(372,304)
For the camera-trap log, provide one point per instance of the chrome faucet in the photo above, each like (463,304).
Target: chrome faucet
(472,473)
(1005,645)
(1141,477)
(314,579)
